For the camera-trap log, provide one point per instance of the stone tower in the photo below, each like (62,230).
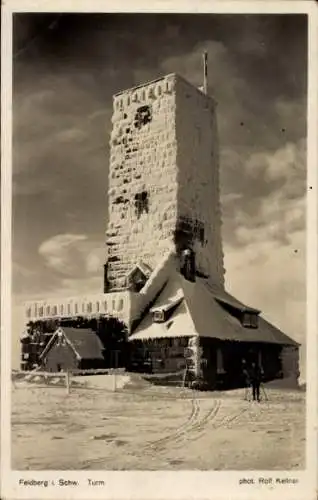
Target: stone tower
(163,181)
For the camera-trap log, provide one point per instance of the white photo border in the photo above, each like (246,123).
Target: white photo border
(159,485)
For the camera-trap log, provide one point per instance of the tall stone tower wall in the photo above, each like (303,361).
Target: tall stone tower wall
(142,178)
(163,179)
(199,215)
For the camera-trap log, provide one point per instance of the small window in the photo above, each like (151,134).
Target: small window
(54,310)
(61,309)
(76,308)
(199,231)
(68,308)
(105,305)
(141,203)
(28,313)
(142,116)
(97,306)
(159,316)
(48,310)
(250,320)
(89,307)
(41,311)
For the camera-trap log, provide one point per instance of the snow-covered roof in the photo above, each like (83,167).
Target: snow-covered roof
(202,312)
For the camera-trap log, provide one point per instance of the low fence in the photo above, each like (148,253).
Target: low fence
(61,379)
(69,378)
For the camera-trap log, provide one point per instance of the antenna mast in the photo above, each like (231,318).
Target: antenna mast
(205,72)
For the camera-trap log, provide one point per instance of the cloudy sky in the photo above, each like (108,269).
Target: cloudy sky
(66,68)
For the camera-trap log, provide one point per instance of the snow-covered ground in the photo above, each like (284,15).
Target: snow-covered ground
(144,427)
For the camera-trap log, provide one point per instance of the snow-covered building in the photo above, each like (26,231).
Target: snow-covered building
(164,273)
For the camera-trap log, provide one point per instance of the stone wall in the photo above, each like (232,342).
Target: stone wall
(290,364)
(163,179)
(198,178)
(142,179)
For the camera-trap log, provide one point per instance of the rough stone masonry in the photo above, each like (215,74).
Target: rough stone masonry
(163,180)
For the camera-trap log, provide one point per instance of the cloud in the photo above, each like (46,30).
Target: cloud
(95,260)
(287,164)
(272,277)
(72,255)
(73,135)
(62,253)
(268,196)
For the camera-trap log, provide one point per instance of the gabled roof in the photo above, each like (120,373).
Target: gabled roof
(201,313)
(85,342)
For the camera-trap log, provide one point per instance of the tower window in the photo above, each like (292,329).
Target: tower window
(142,116)
(141,203)
(199,231)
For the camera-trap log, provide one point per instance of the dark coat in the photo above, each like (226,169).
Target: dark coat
(255,374)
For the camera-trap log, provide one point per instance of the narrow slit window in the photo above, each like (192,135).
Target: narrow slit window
(141,203)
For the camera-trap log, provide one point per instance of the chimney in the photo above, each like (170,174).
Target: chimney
(187,267)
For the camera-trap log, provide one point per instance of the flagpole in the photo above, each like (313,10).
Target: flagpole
(205,72)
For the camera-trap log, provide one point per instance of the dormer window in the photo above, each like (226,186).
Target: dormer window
(136,280)
(163,313)
(138,277)
(250,320)
(159,316)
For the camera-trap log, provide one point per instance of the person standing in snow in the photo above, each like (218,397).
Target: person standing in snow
(255,375)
